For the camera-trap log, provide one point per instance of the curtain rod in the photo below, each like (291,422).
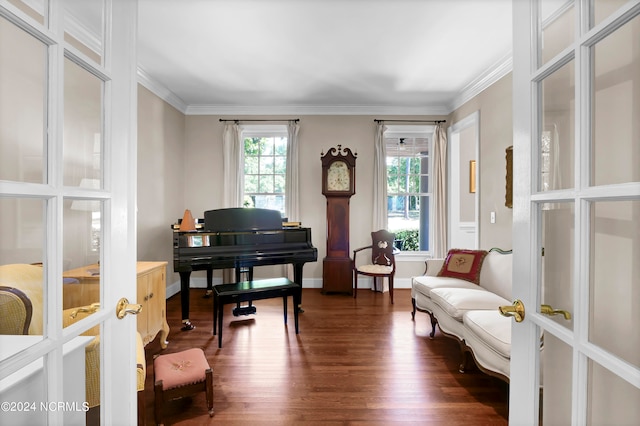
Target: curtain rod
(412,121)
(238,120)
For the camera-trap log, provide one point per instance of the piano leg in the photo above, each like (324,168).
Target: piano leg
(184,300)
(297,278)
(209,291)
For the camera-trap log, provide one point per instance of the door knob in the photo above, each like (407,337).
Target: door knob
(516,310)
(124,307)
(548,310)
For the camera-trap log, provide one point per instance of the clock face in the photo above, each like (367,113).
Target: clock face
(338,177)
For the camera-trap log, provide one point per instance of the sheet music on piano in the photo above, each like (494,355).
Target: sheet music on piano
(238,238)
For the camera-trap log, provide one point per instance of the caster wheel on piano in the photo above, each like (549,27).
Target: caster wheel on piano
(187,326)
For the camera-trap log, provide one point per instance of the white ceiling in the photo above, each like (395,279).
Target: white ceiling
(322,56)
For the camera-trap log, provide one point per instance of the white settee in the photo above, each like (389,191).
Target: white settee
(468,312)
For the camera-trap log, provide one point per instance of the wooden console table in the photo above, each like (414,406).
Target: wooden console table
(246,291)
(151,294)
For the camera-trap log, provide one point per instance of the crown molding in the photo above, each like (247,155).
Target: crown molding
(313,110)
(161,91)
(501,68)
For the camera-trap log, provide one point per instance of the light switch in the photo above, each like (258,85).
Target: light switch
(493,217)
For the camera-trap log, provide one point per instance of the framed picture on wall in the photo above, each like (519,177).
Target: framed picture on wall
(472,176)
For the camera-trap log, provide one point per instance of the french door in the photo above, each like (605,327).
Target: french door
(576,231)
(67,200)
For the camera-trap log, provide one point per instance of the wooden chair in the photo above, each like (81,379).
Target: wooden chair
(181,374)
(15,311)
(382,261)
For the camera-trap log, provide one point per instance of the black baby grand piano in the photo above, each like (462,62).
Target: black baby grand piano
(239,238)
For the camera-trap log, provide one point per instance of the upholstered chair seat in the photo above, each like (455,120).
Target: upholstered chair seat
(381,264)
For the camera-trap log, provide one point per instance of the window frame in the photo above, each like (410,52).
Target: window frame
(264,131)
(414,131)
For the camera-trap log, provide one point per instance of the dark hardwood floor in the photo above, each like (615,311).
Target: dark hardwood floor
(355,362)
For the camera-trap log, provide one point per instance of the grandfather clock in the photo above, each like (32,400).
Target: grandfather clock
(338,185)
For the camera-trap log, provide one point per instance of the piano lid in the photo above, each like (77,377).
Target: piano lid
(241,219)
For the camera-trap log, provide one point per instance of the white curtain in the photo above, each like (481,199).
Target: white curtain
(439,192)
(233,165)
(292,179)
(380,219)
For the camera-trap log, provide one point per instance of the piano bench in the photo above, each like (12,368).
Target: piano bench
(246,291)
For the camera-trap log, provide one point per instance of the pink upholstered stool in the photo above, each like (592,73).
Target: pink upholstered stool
(181,374)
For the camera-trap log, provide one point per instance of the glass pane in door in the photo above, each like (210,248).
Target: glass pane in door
(611,400)
(614,85)
(83,123)
(81,248)
(556,365)
(603,9)
(85,400)
(615,278)
(22,105)
(83,27)
(557,23)
(558,230)
(21,265)
(32,8)
(556,149)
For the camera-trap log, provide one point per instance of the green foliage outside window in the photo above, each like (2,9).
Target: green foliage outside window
(403,175)
(407,240)
(265,164)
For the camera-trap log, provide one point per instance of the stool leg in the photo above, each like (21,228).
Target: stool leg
(209,390)
(157,409)
(142,409)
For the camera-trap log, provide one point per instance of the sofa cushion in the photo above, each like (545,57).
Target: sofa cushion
(463,264)
(456,301)
(491,328)
(425,284)
(495,274)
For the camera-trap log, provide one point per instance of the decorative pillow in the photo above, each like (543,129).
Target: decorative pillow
(463,264)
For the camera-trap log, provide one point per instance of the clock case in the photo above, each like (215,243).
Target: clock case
(337,269)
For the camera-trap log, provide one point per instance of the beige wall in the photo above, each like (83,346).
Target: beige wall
(161,177)
(496,128)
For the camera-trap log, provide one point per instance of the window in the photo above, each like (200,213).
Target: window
(265,166)
(408,191)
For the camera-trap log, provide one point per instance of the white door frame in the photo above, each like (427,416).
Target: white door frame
(462,234)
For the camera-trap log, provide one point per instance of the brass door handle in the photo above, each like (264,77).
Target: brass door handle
(124,307)
(516,311)
(90,309)
(548,310)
